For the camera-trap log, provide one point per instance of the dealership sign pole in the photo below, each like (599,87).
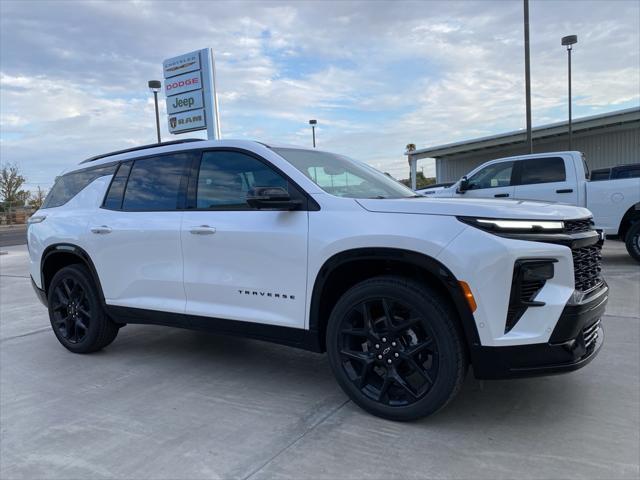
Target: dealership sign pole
(190,90)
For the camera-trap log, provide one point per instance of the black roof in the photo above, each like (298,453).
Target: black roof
(141,147)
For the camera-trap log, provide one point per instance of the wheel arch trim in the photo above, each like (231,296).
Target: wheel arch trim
(429,264)
(75,250)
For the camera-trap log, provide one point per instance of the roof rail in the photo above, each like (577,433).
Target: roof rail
(141,147)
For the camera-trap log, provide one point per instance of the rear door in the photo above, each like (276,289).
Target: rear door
(493,181)
(241,263)
(551,179)
(135,236)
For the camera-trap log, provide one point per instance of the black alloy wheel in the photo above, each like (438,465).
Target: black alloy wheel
(388,351)
(71,310)
(77,314)
(395,347)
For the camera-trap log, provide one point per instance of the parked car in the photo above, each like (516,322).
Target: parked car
(310,249)
(560,177)
(631,170)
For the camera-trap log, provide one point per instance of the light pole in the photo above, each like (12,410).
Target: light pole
(527,76)
(313,124)
(155,86)
(569,40)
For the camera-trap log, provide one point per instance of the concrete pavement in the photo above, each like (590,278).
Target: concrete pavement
(168,403)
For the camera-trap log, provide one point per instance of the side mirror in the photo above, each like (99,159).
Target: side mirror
(272,198)
(463,186)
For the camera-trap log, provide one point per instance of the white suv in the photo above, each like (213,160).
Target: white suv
(313,250)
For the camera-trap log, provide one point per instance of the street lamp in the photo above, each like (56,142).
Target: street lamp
(313,124)
(568,41)
(155,86)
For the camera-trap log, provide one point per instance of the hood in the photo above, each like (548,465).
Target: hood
(476,207)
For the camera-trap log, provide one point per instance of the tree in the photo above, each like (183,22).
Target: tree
(11,180)
(37,198)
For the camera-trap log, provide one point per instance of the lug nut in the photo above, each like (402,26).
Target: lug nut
(384,340)
(396,355)
(389,361)
(393,344)
(377,345)
(379,357)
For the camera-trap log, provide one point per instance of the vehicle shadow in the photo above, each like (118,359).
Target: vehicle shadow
(223,360)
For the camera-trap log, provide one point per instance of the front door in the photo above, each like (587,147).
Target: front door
(493,181)
(241,263)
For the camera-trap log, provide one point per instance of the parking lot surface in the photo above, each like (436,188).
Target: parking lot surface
(166,403)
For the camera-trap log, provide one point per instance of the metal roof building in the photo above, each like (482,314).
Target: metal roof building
(606,140)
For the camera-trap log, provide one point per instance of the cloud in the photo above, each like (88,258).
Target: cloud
(376,75)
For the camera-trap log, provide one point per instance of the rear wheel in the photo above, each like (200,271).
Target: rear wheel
(395,349)
(76,313)
(632,241)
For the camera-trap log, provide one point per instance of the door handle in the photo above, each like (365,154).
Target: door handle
(101,230)
(202,230)
(501,195)
(565,190)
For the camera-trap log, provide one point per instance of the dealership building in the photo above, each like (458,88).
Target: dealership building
(606,140)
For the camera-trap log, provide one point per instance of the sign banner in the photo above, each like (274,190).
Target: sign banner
(183,83)
(187,121)
(184,102)
(189,62)
(190,90)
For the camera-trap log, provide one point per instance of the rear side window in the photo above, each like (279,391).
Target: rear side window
(154,183)
(542,170)
(600,175)
(113,200)
(628,172)
(69,185)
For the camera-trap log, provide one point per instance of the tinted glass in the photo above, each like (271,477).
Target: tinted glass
(154,183)
(600,175)
(628,172)
(113,200)
(69,185)
(542,170)
(492,176)
(225,178)
(342,176)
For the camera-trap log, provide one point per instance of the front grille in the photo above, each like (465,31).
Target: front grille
(587,265)
(577,226)
(590,335)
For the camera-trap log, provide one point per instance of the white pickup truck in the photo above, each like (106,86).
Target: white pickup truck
(557,177)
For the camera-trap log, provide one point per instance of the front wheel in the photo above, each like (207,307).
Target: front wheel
(76,313)
(632,241)
(394,348)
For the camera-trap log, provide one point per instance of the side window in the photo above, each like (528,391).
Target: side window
(492,176)
(225,178)
(628,172)
(154,183)
(113,199)
(69,185)
(542,170)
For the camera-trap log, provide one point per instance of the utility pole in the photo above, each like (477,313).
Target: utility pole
(569,41)
(313,124)
(155,86)
(527,75)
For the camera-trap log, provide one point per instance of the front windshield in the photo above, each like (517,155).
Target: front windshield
(342,176)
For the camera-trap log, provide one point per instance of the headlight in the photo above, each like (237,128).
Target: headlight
(515,226)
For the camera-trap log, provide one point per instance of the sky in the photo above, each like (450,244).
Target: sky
(376,75)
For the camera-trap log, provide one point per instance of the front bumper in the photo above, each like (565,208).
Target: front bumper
(42,296)
(575,341)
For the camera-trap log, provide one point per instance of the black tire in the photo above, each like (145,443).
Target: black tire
(404,359)
(76,313)
(632,241)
